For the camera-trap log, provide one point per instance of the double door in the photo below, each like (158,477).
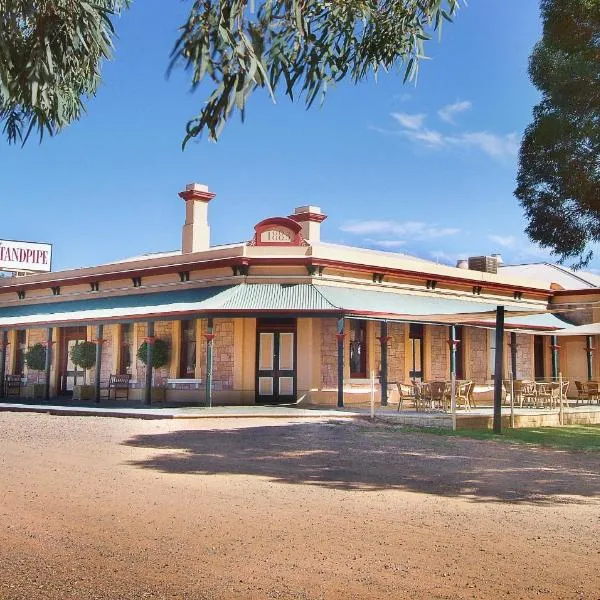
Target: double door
(69,374)
(275,361)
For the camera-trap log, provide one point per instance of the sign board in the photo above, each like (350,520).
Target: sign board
(25,256)
(277,231)
(278,235)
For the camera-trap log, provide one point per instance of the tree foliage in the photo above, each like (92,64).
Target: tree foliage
(304,45)
(35,357)
(50,55)
(83,355)
(160,353)
(559,171)
(50,52)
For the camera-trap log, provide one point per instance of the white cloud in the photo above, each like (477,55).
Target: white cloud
(448,112)
(506,241)
(410,121)
(497,146)
(415,230)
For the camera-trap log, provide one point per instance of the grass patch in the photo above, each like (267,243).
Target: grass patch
(582,438)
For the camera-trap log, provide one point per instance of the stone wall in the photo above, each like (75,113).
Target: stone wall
(222,355)
(162,330)
(106,368)
(525,366)
(328,353)
(440,354)
(396,353)
(476,357)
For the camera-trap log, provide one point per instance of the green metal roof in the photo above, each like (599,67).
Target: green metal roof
(263,298)
(412,307)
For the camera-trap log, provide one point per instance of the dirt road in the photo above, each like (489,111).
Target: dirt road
(245,508)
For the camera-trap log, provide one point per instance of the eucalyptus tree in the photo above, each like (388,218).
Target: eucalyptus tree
(51,51)
(559,170)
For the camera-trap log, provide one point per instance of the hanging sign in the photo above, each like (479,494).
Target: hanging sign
(25,256)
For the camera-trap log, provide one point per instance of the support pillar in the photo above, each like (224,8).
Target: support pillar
(48,364)
(3,346)
(383,376)
(513,354)
(498,369)
(149,352)
(452,343)
(589,350)
(210,336)
(99,342)
(340,365)
(555,347)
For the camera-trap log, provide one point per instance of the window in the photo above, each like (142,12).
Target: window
(491,352)
(358,349)
(415,335)
(460,352)
(126,348)
(187,365)
(21,347)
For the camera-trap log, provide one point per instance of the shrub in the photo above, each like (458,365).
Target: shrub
(35,357)
(160,353)
(83,355)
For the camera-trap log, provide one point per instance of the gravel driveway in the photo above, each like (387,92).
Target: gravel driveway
(110,508)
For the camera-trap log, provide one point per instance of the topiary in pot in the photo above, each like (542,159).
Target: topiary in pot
(35,359)
(83,355)
(160,358)
(160,353)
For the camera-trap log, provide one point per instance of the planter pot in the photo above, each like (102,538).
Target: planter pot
(159,394)
(34,390)
(83,392)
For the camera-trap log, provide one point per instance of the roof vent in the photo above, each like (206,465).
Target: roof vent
(485,264)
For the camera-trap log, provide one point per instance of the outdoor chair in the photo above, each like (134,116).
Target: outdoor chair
(406,391)
(593,392)
(118,386)
(421,395)
(582,393)
(437,389)
(12,385)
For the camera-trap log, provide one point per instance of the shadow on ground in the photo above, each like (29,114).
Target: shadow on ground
(360,456)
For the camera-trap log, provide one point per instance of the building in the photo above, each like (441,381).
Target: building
(286,317)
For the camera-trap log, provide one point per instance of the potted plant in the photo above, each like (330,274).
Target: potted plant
(160,358)
(83,354)
(35,359)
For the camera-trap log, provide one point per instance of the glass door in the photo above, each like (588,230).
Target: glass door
(275,362)
(70,375)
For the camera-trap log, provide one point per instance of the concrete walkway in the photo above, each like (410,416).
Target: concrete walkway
(191,412)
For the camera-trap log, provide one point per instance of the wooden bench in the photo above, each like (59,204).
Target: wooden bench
(12,385)
(117,384)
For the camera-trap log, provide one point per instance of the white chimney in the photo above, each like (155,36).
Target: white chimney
(196,231)
(310,217)
(462,263)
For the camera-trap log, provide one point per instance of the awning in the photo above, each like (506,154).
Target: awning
(402,306)
(250,299)
(591,329)
(538,323)
(225,300)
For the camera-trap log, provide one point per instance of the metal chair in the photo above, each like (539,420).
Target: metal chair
(12,385)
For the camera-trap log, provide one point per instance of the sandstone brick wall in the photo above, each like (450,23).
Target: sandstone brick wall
(222,355)
(162,330)
(476,358)
(525,366)
(440,355)
(106,368)
(328,353)
(396,353)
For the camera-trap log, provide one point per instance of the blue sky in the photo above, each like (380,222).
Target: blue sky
(427,169)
